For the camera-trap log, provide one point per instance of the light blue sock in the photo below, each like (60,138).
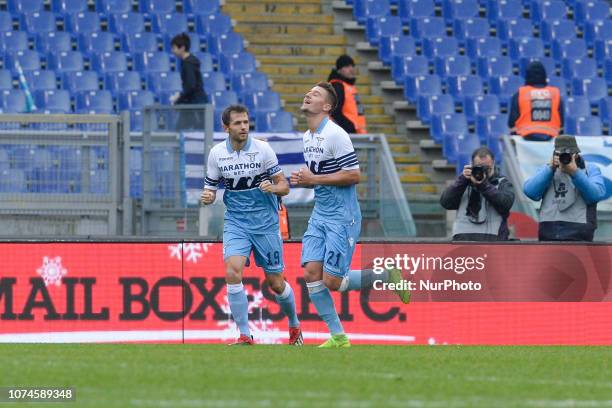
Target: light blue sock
(323,301)
(357,279)
(286,300)
(239,305)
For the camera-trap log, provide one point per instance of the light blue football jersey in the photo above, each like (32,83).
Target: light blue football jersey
(327,151)
(247,207)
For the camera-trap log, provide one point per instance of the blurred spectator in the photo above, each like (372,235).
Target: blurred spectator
(348,113)
(536,110)
(569,189)
(483,199)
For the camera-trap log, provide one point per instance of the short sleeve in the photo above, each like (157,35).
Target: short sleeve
(344,152)
(211,181)
(270,161)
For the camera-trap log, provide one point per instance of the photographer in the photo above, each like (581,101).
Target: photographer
(482,199)
(569,189)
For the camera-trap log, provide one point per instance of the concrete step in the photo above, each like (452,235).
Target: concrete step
(296,50)
(328,61)
(283,18)
(415,178)
(407,158)
(280,78)
(409,168)
(296,9)
(302,89)
(322,29)
(297,97)
(420,188)
(379,119)
(281,39)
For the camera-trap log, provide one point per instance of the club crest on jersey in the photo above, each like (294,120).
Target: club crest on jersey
(319,141)
(251,156)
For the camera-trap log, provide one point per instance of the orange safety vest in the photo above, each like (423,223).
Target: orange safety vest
(283,220)
(538,111)
(352,107)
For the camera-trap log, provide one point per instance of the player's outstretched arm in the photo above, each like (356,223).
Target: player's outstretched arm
(279,185)
(208,196)
(304,177)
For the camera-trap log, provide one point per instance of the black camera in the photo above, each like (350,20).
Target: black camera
(479,172)
(565,158)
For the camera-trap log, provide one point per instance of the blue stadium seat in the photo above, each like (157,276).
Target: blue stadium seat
(453,66)
(277,122)
(67,61)
(213,24)
(495,66)
(13,181)
(114,6)
(6,22)
(480,105)
(135,100)
(608,71)
(428,27)
(213,81)
(202,7)
(526,48)
(85,22)
(229,43)
(239,63)
(40,22)
(223,99)
(579,68)
(28,59)
(41,80)
(206,61)
(13,101)
(218,123)
(56,41)
(515,29)
(492,124)
(409,9)
(603,50)
(504,10)
(557,30)
(114,61)
(402,45)
(449,123)
(127,23)
(385,26)
(488,47)
(141,42)
(453,143)
(505,87)
(136,120)
(584,126)
(81,81)
(409,66)
(442,47)
(595,89)
(6,79)
(13,41)
(97,42)
(69,6)
(464,86)
(57,101)
(158,6)
(249,82)
(362,9)
(548,10)
(262,101)
(574,48)
(171,24)
(424,85)
(591,11)
(559,83)
(123,81)
(147,62)
(598,30)
(165,82)
(577,106)
(460,9)
(436,104)
(25,6)
(605,112)
(476,27)
(100,101)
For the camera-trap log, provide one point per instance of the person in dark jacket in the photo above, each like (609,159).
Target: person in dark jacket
(193,85)
(348,113)
(483,199)
(536,110)
(569,189)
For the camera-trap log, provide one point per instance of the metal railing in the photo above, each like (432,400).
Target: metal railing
(512,170)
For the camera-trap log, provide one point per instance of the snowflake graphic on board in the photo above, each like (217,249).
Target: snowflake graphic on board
(52,271)
(193,251)
(262,329)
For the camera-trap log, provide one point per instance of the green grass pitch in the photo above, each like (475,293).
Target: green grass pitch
(282,376)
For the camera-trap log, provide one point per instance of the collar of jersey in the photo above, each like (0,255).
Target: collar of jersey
(322,125)
(230,149)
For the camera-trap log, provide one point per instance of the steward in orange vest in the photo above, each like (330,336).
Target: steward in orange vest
(536,110)
(348,113)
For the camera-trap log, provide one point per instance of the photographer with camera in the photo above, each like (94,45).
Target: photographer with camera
(569,189)
(482,198)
